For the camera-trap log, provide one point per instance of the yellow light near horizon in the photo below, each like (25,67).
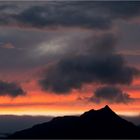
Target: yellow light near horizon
(130,114)
(58,112)
(41,113)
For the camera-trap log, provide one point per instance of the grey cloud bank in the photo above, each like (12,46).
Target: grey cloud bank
(97,62)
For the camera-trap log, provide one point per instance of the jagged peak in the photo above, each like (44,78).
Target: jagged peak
(105,109)
(92,111)
(106,106)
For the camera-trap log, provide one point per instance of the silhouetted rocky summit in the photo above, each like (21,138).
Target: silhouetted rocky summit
(102,123)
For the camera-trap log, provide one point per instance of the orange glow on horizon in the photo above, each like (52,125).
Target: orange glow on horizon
(38,102)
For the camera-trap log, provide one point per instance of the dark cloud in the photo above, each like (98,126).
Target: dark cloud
(10,89)
(124,9)
(110,94)
(94,60)
(97,62)
(55,15)
(5,7)
(91,14)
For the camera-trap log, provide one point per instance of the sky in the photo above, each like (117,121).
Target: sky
(66,57)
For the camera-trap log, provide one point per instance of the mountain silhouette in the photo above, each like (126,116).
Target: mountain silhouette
(102,123)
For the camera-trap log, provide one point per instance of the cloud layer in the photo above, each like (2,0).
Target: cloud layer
(91,14)
(77,57)
(110,94)
(10,89)
(97,62)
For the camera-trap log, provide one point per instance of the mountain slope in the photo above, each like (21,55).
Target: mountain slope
(103,123)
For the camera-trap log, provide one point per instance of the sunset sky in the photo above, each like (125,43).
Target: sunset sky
(62,57)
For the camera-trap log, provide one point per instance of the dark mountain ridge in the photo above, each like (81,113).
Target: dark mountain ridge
(103,123)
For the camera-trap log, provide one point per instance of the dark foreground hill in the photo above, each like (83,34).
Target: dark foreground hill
(103,123)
